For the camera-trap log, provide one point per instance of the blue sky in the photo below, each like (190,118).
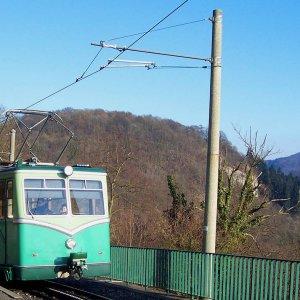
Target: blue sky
(45,45)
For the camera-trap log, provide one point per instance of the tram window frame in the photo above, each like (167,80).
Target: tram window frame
(42,186)
(84,206)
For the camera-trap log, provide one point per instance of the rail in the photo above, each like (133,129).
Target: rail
(214,276)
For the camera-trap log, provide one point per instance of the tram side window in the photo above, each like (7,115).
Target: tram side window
(45,196)
(6,194)
(86,197)
(2,197)
(10,199)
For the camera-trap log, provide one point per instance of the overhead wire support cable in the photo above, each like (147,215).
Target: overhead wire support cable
(133,43)
(149,65)
(158,29)
(103,67)
(140,33)
(180,67)
(133,61)
(130,66)
(89,65)
(155,67)
(145,32)
(123,49)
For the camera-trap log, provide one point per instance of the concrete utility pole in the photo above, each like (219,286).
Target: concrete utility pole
(211,189)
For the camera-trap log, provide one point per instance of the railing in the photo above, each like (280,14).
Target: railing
(213,276)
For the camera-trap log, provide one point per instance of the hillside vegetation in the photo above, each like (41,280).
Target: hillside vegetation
(156,176)
(138,153)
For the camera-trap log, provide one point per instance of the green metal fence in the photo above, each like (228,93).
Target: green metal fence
(212,276)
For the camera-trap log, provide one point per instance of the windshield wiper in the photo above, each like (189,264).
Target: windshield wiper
(29,210)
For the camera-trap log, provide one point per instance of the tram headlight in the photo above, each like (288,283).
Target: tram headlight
(68,170)
(70,243)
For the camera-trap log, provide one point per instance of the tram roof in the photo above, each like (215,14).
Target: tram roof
(22,166)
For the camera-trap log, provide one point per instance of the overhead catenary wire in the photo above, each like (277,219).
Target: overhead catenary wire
(103,67)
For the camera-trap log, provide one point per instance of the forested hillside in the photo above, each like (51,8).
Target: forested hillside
(156,175)
(281,186)
(138,153)
(145,149)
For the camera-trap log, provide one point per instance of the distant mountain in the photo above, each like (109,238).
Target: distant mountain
(288,165)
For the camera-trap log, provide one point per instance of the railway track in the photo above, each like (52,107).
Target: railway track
(85,289)
(62,291)
(51,290)
(118,290)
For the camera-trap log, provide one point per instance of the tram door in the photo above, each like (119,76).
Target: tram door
(6,215)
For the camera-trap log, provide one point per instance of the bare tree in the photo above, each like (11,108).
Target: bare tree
(115,159)
(242,199)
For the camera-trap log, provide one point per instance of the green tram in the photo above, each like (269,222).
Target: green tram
(54,222)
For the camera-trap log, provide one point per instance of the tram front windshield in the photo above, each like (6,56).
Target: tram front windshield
(86,197)
(45,196)
(49,197)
